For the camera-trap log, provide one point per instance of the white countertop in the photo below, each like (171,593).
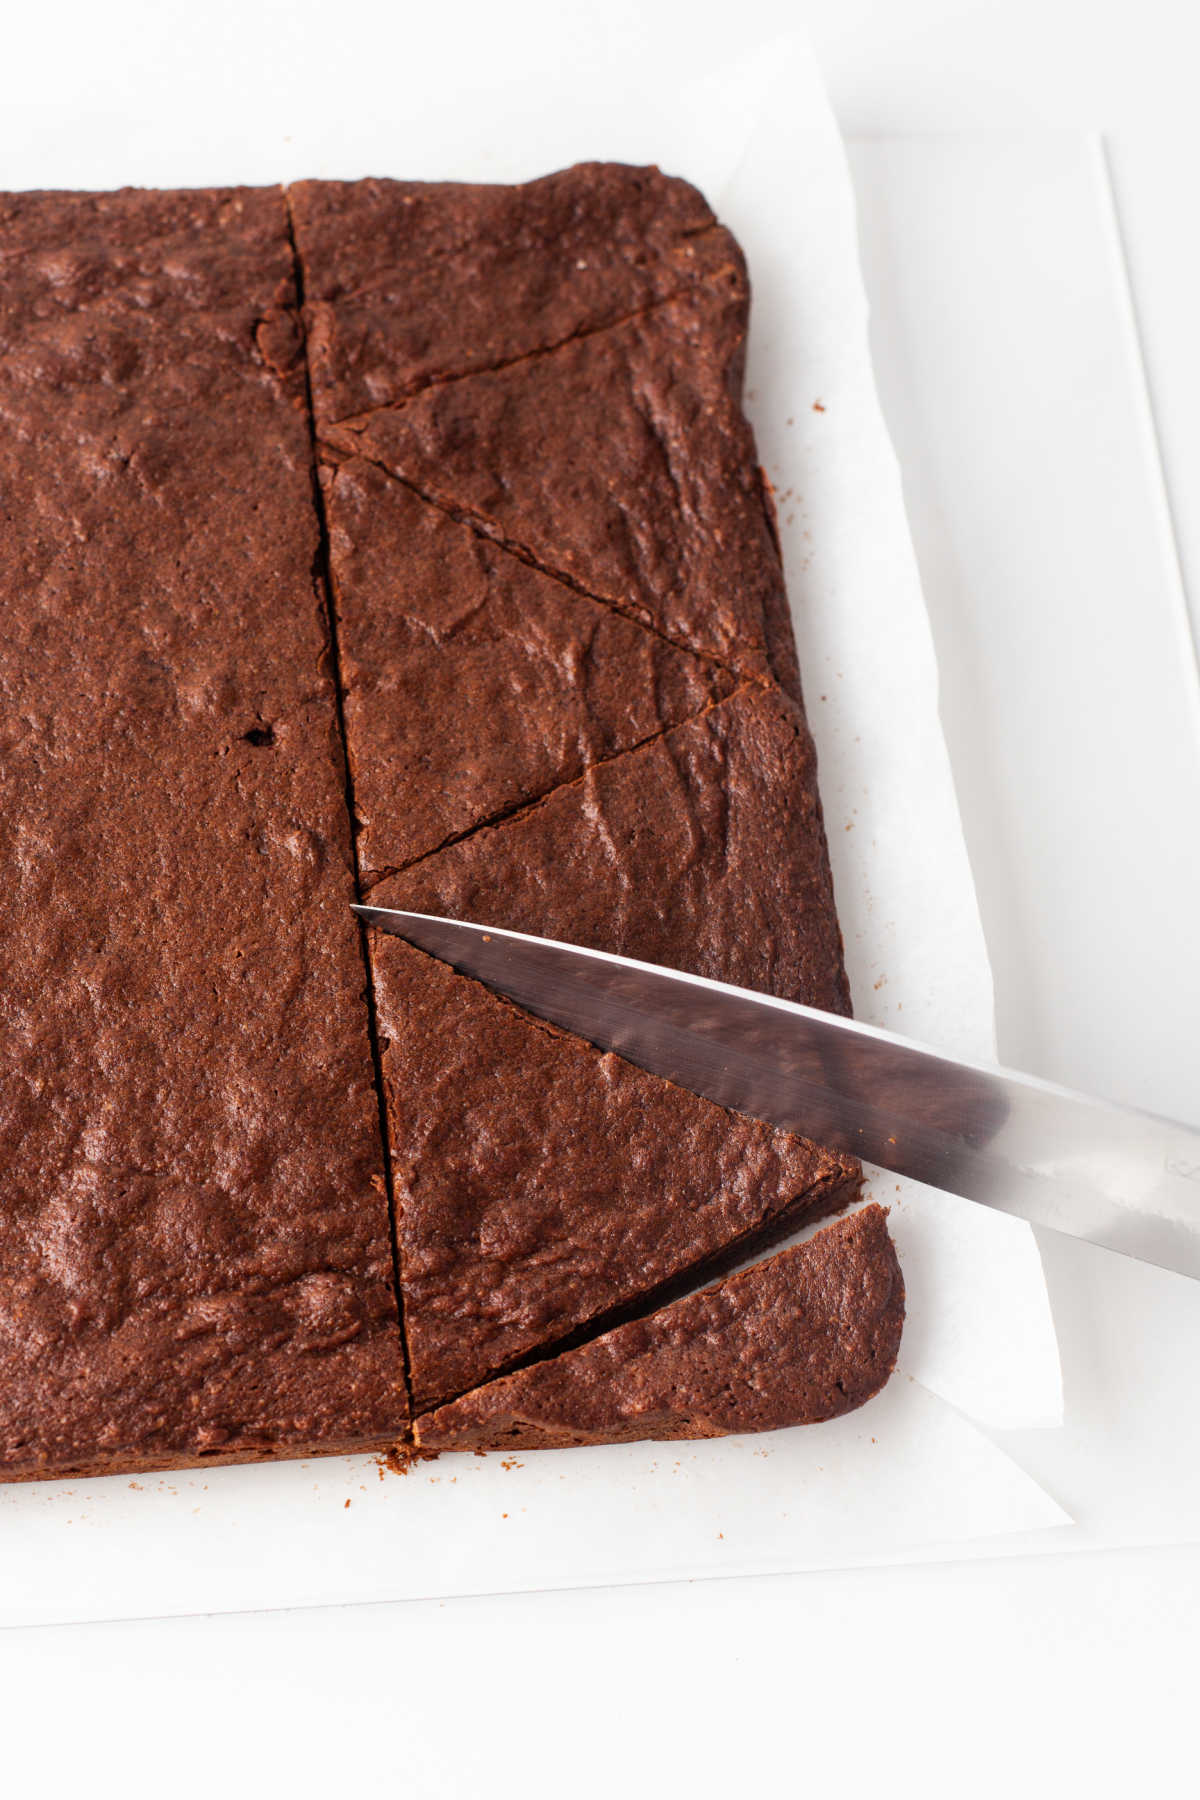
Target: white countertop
(1056,1672)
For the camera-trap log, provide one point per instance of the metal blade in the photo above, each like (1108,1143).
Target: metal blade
(1109,1174)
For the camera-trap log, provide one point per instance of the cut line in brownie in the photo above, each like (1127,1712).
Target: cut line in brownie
(621,462)
(411,282)
(541,1184)
(473,684)
(704,850)
(804,1337)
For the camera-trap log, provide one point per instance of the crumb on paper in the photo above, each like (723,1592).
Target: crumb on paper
(510,1462)
(818,406)
(347,1500)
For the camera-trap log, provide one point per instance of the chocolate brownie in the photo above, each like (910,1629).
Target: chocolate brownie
(557,685)
(808,1335)
(703,850)
(195,1255)
(409,282)
(620,461)
(541,1184)
(472,683)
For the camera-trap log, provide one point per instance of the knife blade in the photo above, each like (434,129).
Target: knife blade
(1109,1174)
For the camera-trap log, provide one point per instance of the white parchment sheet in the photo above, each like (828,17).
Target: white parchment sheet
(911,1469)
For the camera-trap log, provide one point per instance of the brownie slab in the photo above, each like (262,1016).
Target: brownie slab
(541,1184)
(566,699)
(806,1336)
(621,462)
(195,1252)
(408,282)
(473,683)
(703,850)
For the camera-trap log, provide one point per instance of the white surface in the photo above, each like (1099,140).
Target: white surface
(1126,68)
(1051,1675)
(1072,709)
(1069,683)
(981,1333)
(851,1686)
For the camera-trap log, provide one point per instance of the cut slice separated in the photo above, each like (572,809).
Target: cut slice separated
(806,1336)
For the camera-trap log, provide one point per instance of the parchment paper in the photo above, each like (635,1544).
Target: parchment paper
(910,1469)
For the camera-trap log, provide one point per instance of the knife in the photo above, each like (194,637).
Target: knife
(1112,1175)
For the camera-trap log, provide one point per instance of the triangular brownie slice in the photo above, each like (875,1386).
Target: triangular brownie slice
(808,1335)
(704,850)
(541,1185)
(621,462)
(473,683)
(408,282)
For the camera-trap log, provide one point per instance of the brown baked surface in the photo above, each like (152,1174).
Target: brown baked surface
(620,461)
(409,282)
(473,683)
(194,1242)
(541,1184)
(556,688)
(704,850)
(807,1335)
(564,643)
